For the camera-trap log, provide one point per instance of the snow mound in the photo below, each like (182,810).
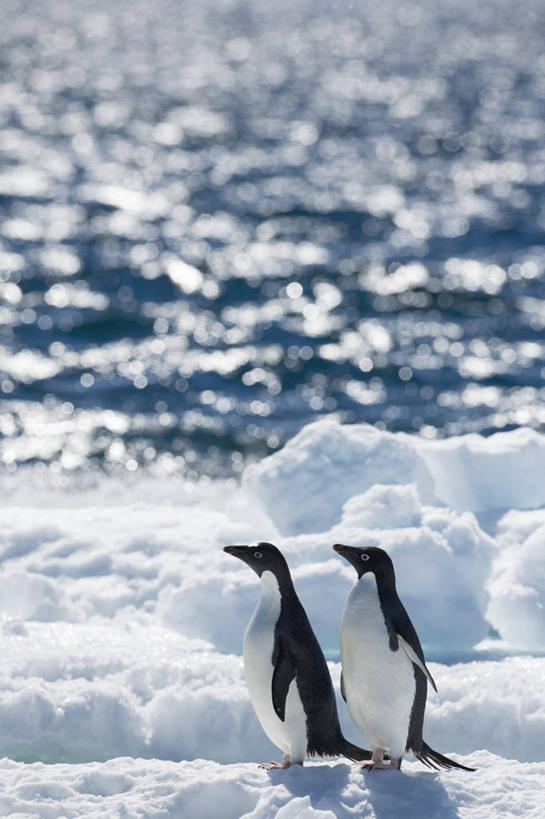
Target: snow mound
(494,705)
(92,692)
(155,789)
(517,587)
(428,545)
(303,486)
(79,692)
(416,498)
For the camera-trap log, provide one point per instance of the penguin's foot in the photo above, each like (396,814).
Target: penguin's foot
(377,763)
(279,766)
(394,765)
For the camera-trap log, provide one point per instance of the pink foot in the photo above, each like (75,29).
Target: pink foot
(378,764)
(278,766)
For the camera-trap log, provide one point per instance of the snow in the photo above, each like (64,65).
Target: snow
(329,463)
(304,486)
(518,582)
(127,787)
(81,692)
(122,689)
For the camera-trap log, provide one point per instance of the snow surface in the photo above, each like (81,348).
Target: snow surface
(122,689)
(127,787)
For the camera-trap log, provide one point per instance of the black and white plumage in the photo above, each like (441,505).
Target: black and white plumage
(384,678)
(287,676)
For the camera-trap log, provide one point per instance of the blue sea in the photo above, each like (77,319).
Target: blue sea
(222,220)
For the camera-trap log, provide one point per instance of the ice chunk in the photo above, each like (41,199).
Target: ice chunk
(442,566)
(31,597)
(517,586)
(383,507)
(482,474)
(304,486)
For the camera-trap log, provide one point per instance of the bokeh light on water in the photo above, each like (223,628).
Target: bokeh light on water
(222,220)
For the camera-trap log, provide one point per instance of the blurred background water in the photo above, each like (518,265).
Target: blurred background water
(221,220)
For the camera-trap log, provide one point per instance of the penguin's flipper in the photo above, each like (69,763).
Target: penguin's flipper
(414,658)
(283,674)
(343,690)
(402,634)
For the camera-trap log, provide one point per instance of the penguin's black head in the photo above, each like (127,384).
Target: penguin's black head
(371,559)
(261,557)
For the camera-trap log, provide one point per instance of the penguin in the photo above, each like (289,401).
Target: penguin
(287,676)
(384,677)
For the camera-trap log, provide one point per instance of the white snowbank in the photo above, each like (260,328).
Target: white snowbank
(121,625)
(358,485)
(83,692)
(154,789)
(443,544)
(517,587)
(304,486)
(495,705)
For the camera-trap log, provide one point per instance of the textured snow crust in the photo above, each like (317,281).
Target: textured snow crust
(121,624)
(155,789)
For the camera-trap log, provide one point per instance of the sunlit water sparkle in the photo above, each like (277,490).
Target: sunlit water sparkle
(221,220)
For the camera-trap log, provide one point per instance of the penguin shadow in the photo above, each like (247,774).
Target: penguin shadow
(413,795)
(315,781)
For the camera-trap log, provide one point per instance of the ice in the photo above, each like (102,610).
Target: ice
(482,474)
(427,545)
(494,705)
(326,464)
(383,507)
(354,480)
(304,486)
(121,627)
(80,692)
(161,790)
(517,605)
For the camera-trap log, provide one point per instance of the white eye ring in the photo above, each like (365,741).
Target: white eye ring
(364,556)
(258,555)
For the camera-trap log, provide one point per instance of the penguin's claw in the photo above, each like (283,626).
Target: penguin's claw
(278,766)
(378,766)
(377,763)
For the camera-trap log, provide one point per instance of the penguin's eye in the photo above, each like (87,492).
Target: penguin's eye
(258,555)
(364,556)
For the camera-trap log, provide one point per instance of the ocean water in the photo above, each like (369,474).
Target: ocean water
(221,220)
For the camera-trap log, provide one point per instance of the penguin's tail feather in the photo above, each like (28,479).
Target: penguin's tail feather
(433,759)
(352,752)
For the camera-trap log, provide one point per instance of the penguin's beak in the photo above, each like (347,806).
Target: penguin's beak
(343,550)
(236,551)
(349,553)
(243,553)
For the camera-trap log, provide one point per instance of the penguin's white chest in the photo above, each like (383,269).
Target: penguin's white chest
(379,683)
(289,735)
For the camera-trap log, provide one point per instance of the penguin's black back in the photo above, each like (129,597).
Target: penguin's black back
(416,721)
(294,634)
